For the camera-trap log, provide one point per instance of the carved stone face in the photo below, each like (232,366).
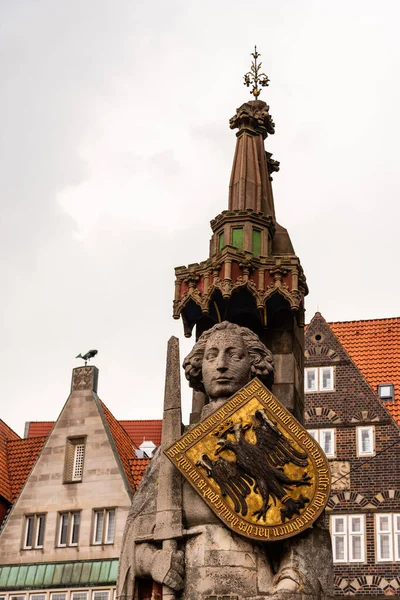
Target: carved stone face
(226,364)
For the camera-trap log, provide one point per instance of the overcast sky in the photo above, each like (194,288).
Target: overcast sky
(115,153)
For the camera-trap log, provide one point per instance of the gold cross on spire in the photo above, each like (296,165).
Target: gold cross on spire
(254,78)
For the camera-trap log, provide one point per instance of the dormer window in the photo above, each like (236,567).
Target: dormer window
(386,391)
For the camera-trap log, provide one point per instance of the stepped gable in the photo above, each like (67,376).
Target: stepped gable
(138,467)
(22,455)
(139,431)
(123,443)
(322,347)
(6,433)
(374,345)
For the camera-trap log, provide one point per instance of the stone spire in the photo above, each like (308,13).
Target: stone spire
(250,184)
(251,261)
(252,276)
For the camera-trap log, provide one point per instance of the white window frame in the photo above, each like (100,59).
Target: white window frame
(309,370)
(37,596)
(77,468)
(75,592)
(332,374)
(104,513)
(393,532)
(348,534)
(360,429)
(318,378)
(317,434)
(71,522)
(36,519)
(70,516)
(53,594)
(95,592)
(360,533)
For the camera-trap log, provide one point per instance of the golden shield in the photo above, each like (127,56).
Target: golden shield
(255,466)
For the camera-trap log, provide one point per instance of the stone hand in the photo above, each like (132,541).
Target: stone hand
(169,568)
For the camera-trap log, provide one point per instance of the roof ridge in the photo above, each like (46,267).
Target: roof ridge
(120,443)
(365,320)
(10,428)
(139,420)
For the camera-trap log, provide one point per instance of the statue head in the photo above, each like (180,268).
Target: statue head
(225,358)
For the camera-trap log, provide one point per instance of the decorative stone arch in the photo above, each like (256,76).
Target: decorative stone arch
(365,416)
(381,497)
(323,351)
(320,411)
(378,582)
(343,498)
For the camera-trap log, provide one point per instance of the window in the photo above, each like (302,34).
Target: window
(68,529)
(348,538)
(326,378)
(34,531)
(387,529)
(101,595)
(59,596)
(74,457)
(37,597)
(319,379)
(311,380)
(365,441)
(17,597)
(237,238)
(221,241)
(326,439)
(256,241)
(104,526)
(79,595)
(386,391)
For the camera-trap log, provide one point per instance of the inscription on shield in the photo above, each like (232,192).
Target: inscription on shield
(255,466)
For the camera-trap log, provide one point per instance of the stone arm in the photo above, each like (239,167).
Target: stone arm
(162,566)
(146,559)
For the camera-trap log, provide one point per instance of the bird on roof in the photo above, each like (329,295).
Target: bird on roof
(86,357)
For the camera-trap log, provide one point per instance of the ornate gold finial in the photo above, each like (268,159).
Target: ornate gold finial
(254,77)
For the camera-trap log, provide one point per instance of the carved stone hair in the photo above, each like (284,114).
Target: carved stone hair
(262,361)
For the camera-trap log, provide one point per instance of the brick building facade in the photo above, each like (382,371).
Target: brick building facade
(361,440)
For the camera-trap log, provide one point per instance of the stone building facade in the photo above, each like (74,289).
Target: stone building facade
(362,442)
(62,537)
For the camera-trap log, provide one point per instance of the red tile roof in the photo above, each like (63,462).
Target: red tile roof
(124,445)
(39,428)
(374,346)
(138,467)
(22,455)
(138,431)
(6,433)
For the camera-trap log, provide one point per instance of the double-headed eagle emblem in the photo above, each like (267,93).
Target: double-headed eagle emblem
(257,466)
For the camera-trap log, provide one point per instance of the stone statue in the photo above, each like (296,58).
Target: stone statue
(213,562)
